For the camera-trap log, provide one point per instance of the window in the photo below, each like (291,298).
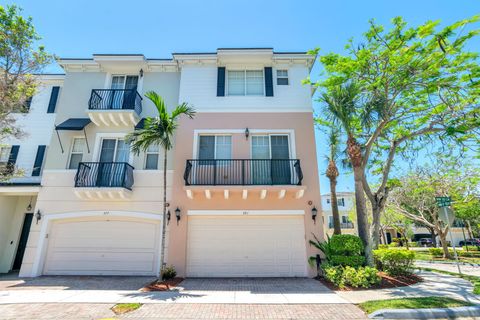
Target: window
(76,155)
(215,147)
(4,154)
(328,200)
(245,82)
(282,77)
(151,160)
(341,202)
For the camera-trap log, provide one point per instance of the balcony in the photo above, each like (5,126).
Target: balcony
(115,107)
(257,175)
(103,180)
(343,225)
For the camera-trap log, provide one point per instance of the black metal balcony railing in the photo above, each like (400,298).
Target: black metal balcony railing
(104,175)
(343,225)
(243,172)
(115,99)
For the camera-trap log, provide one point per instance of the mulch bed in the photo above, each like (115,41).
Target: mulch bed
(159,285)
(386,282)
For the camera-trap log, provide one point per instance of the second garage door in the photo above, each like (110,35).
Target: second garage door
(103,247)
(246,246)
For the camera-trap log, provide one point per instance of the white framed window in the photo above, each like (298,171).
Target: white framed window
(245,82)
(282,77)
(5,154)
(76,155)
(270,146)
(151,157)
(215,147)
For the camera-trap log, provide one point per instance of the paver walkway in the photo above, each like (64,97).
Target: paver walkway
(184,311)
(451,267)
(434,284)
(202,291)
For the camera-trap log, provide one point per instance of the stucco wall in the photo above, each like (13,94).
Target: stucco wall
(300,123)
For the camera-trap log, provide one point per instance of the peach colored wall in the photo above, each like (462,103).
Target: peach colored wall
(300,122)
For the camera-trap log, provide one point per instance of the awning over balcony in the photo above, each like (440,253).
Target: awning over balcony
(140,125)
(73,124)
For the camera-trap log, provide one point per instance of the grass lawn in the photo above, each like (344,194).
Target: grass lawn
(473,279)
(426,256)
(412,303)
(122,308)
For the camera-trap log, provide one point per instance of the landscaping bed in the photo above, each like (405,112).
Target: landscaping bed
(162,285)
(386,282)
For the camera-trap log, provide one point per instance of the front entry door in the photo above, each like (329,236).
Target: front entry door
(280,155)
(22,244)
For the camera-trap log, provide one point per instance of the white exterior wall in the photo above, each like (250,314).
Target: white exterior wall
(38,126)
(198,86)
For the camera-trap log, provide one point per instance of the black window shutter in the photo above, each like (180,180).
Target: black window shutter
(221,82)
(53,100)
(37,166)
(28,103)
(12,159)
(268,82)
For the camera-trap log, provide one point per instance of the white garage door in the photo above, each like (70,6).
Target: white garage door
(246,246)
(103,247)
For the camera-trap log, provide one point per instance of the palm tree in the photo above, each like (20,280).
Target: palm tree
(332,174)
(159,130)
(341,106)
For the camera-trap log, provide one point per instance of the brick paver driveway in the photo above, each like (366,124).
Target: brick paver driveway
(185,312)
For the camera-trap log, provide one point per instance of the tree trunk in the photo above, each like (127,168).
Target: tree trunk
(443,240)
(469,229)
(433,236)
(336,216)
(362,216)
(376,226)
(164,219)
(356,159)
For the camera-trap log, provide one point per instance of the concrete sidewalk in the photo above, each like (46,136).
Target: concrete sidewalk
(190,291)
(434,284)
(451,267)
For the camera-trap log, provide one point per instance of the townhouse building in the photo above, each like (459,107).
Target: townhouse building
(24,157)
(346,210)
(242,190)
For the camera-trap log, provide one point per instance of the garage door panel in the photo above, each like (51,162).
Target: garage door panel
(246,246)
(103,247)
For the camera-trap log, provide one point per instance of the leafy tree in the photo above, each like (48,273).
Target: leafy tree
(159,130)
(469,212)
(332,174)
(19,60)
(413,84)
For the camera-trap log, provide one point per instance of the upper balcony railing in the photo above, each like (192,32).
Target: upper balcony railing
(115,99)
(104,175)
(243,172)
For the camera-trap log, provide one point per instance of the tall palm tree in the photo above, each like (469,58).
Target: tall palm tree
(341,105)
(332,174)
(159,130)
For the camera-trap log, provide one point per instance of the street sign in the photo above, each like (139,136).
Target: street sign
(443,201)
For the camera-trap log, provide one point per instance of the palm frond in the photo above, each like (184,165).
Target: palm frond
(183,109)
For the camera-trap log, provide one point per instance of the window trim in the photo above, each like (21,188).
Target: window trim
(71,151)
(98,144)
(145,159)
(197,154)
(289,138)
(227,93)
(287,77)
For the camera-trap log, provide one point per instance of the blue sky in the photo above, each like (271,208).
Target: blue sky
(158,28)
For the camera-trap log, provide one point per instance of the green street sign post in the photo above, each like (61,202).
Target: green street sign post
(443,203)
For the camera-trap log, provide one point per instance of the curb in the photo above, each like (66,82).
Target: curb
(434,313)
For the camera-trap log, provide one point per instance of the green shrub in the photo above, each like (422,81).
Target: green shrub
(394,261)
(471,248)
(435,252)
(340,276)
(346,244)
(351,261)
(394,244)
(464,253)
(168,272)
(383,246)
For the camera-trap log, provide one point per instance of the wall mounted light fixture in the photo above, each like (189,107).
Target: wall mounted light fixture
(177,214)
(141,73)
(169,215)
(247,133)
(38,215)
(314,215)
(29,207)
